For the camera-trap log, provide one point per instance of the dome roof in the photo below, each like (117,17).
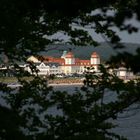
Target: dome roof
(64,54)
(94,55)
(69,55)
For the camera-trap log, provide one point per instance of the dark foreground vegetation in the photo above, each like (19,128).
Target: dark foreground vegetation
(34,111)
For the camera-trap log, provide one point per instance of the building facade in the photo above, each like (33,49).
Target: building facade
(67,63)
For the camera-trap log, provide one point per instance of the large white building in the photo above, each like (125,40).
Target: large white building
(66,64)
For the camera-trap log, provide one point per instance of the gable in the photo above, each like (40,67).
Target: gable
(42,65)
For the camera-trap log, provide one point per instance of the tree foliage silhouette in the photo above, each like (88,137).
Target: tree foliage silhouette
(35,110)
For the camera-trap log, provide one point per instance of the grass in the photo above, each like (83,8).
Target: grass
(55,80)
(13,79)
(8,79)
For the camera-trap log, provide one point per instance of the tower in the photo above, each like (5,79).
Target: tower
(69,58)
(64,54)
(69,62)
(95,60)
